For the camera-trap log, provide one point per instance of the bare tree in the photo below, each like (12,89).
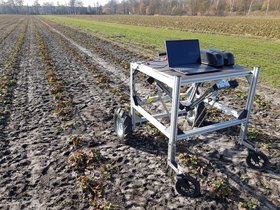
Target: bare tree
(250,7)
(36,6)
(72,6)
(267,7)
(19,4)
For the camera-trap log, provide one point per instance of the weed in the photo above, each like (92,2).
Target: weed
(63,111)
(58,96)
(260,101)
(67,202)
(247,205)
(69,125)
(79,160)
(151,130)
(192,164)
(92,186)
(74,141)
(57,87)
(95,156)
(107,171)
(242,95)
(220,188)
(116,91)
(253,134)
(269,145)
(188,160)
(100,205)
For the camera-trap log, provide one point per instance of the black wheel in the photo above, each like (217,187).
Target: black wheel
(257,160)
(187,186)
(123,125)
(195,116)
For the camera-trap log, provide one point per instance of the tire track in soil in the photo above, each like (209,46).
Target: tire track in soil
(136,184)
(240,156)
(34,168)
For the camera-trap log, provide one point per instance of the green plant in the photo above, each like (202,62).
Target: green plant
(67,202)
(269,145)
(260,101)
(220,188)
(95,156)
(192,164)
(100,205)
(253,134)
(247,205)
(58,96)
(243,95)
(188,160)
(79,160)
(88,184)
(75,140)
(151,130)
(107,171)
(67,125)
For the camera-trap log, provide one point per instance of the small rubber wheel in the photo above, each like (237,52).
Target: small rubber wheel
(187,186)
(257,160)
(195,116)
(122,125)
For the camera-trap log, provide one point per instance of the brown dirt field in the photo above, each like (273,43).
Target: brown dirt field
(58,148)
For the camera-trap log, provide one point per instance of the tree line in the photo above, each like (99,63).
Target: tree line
(147,7)
(192,7)
(74,7)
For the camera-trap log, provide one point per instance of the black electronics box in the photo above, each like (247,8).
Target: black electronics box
(211,58)
(227,56)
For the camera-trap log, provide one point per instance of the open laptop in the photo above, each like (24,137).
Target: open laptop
(184,56)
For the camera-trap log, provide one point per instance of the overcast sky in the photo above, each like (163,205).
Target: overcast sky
(85,2)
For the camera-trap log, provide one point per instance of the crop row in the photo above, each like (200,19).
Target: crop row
(6,22)
(80,159)
(63,102)
(9,74)
(103,79)
(9,31)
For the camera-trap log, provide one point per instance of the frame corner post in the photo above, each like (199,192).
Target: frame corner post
(174,121)
(249,104)
(132,93)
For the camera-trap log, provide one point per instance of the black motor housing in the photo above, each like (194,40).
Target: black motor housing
(217,58)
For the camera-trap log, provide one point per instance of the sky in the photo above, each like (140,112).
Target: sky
(85,2)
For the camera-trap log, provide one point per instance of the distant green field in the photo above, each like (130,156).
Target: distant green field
(248,51)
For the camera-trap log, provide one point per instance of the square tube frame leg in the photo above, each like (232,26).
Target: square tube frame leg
(174,122)
(132,93)
(248,107)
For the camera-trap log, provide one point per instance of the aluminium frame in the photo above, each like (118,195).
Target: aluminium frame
(174,82)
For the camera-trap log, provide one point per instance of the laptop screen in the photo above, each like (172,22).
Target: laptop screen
(181,53)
